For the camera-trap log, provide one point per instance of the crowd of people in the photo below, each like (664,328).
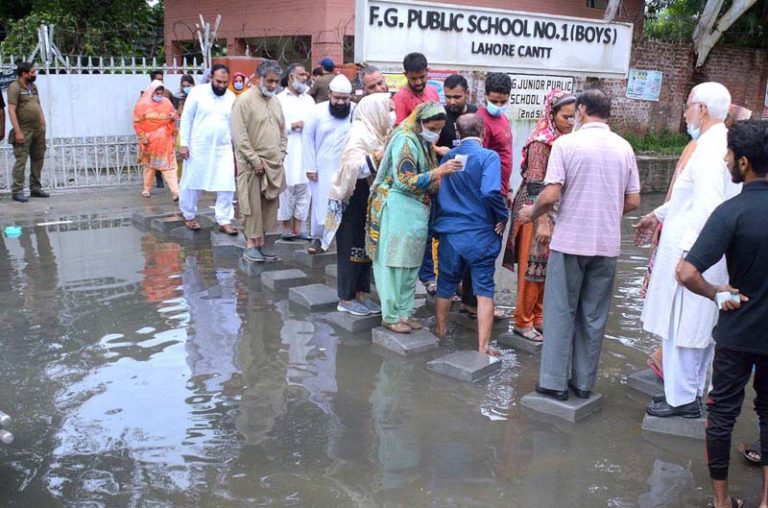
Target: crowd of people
(412,190)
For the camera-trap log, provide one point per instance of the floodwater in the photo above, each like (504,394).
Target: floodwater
(142,372)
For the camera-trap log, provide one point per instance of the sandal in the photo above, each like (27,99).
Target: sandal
(529,334)
(750,452)
(145,194)
(399,327)
(499,314)
(192,224)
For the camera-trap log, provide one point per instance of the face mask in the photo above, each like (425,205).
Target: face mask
(495,110)
(238,86)
(299,87)
(577,121)
(340,110)
(31,79)
(429,136)
(392,118)
(187,89)
(218,91)
(266,91)
(157,98)
(693,131)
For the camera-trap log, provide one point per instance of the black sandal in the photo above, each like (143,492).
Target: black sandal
(750,452)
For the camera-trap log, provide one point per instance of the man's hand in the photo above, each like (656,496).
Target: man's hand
(184,152)
(525,214)
(312,177)
(543,230)
(441,150)
(260,168)
(297,126)
(499,228)
(20,139)
(645,229)
(730,305)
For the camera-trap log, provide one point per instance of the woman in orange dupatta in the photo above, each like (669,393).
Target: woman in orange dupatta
(154,119)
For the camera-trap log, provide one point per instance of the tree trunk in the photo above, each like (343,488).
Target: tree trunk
(710,28)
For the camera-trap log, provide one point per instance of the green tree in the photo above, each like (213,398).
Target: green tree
(85,27)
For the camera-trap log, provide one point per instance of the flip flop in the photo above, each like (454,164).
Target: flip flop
(750,452)
(529,334)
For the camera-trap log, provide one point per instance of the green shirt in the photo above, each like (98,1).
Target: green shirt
(27,102)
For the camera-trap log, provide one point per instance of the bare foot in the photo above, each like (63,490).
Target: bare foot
(491,352)
(440,332)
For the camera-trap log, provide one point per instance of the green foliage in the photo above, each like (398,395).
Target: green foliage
(85,27)
(662,143)
(675,20)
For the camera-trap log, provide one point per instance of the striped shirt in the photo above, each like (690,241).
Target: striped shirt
(596,168)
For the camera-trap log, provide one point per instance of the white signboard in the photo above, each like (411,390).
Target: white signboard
(461,36)
(644,85)
(526,102)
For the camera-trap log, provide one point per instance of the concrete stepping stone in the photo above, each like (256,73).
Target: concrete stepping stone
(320,260)
(144,219)
(166,224)
(332,271)
(354,324)
(573,410)
(405,344)
(314,297)
(518,343)
(227,246)
(693,428)
(285,248)
(280,280)
(465,365)
(186,234)
(256,269)
(646,381)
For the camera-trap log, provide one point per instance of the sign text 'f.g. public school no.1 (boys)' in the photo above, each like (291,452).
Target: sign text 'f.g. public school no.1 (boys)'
(462,36)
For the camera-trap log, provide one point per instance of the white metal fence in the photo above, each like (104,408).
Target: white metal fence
(88,103)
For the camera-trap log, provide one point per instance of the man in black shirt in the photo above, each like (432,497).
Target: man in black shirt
(737,229)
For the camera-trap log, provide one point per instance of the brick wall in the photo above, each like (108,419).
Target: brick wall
(743,71)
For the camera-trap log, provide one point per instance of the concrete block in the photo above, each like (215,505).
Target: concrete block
(185,234)
(332,271)
(314,297)
(405,344)
(646,381)
(693,428)
(226,246)
(166,224)
(285,248)
(279,280)
(320,260)
(518,343)
(465,365)
(271,238)
(573,410)
(256,269)
(354,324)
(144,219)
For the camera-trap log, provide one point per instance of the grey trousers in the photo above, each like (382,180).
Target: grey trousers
(577,299)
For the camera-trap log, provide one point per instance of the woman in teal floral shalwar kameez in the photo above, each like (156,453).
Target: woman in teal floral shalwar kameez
(398,212)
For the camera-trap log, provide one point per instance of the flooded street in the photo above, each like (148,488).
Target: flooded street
(146,372)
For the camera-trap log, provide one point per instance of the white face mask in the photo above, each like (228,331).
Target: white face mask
(428,135)
(693,131)
(266,91)
(577,120)
(299,87)
(392,118)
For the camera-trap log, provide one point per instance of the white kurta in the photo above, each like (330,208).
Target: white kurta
(671,311)
(205,130)
(323,142)
(295,109)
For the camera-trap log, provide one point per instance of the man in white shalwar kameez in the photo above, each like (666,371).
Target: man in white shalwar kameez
(206,146)
(297,106)
(323,139)
(682,319)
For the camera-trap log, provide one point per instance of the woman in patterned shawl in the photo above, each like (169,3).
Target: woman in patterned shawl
(154,119)
(528,245)
(398,212)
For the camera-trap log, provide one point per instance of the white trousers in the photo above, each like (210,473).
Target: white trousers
(224,209)
(294,203)
(685,372)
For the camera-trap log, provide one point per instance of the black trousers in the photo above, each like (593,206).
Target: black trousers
(730,374)
(353,265)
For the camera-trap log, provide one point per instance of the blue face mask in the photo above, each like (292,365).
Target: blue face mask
(157,98)
(187,89)
(238,86)
(429,136)
(495,110)
(694,132)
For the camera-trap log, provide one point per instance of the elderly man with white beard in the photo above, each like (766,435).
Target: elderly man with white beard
(323,139)
(682,319)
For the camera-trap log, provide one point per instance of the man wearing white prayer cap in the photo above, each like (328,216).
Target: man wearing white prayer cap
(323,139)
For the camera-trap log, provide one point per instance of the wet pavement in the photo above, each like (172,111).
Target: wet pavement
(146,372)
